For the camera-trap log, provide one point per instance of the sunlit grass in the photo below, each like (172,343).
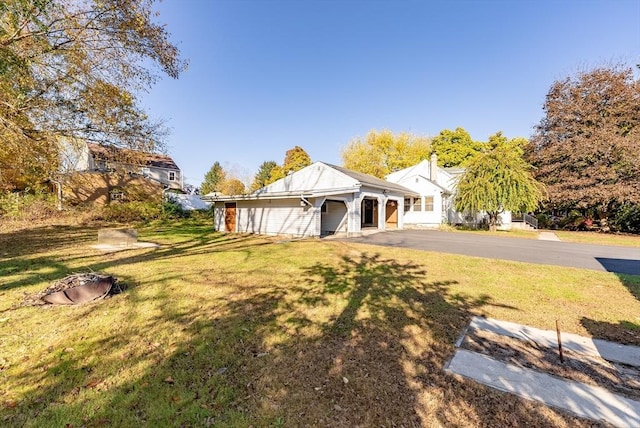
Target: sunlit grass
(598,238)
(229,330)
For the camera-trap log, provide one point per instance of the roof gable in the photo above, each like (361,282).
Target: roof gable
(323,177)
(444,179)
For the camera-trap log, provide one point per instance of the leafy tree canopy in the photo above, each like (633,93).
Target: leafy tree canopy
(262,176)
(495,181)
(455,148)
(232,186)
(213,179)
(294,160)
(381,153)
(69,69)
(586,149)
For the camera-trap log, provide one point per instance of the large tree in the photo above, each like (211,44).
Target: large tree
(213,179)
(232,186)
(70,69)
(495,181)
(381,153)
(262,176)
(455,148)
(586,149)
(294,160)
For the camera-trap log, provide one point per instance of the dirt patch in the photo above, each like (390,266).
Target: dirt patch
(618,378)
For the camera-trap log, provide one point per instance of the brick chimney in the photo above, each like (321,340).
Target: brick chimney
(433,168)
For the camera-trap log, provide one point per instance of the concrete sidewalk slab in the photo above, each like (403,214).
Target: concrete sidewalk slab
(583,400)
(610,351)
(548,236)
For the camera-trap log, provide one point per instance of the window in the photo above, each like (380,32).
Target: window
(172,176)
(407,204)
(428,203)
(116,196)
(417,204)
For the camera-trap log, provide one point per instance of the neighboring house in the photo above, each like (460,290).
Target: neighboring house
(93,173)
(317,200)
(154,166)
(436,188)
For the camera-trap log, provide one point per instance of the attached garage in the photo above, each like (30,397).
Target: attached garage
(318,200)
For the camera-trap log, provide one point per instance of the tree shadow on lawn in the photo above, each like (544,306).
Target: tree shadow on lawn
(358,342)
(26,242)
(55,266)
(624,332)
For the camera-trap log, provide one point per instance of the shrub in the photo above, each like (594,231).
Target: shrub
(26,206)
(131,212)
(544,221)
(171,209)
(627,218)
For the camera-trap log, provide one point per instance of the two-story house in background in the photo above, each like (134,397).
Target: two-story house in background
(94,173)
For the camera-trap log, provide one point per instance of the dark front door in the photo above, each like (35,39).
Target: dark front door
(230,216)
(367,212)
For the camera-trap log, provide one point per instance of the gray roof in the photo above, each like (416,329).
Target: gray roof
(370,180)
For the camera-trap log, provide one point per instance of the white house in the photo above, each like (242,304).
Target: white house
(318,200)
(436,188)
(80,156)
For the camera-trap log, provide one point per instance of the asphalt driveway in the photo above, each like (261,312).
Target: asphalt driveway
(597,257)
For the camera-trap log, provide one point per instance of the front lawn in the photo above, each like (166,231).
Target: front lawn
(232,330)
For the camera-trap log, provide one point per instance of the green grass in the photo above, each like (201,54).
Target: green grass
(231,330)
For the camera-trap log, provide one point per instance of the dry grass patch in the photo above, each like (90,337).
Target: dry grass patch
(598,238)
(230,330)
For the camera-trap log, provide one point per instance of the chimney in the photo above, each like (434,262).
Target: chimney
(433,167)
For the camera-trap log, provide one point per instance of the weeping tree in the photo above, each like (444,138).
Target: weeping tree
(496,181)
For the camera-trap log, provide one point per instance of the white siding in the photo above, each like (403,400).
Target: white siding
(425,188)
(278,217)
(316,177)
(218,216)
(335,217)
(162,175)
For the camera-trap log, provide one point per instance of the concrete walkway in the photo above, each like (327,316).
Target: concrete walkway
(548,236)
(584,400)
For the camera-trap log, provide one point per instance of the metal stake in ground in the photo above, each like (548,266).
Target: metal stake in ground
(559,342)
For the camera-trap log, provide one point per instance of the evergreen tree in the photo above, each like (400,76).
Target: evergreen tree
(213,179)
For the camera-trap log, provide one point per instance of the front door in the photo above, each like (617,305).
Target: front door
(369,212)
(230,216)
(391,214)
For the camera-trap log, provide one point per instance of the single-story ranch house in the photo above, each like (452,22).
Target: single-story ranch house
(317,200)
(324,199)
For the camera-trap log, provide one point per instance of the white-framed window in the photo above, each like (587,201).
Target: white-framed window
(417,204)
(428,203)
(116,195)
(172,176)
(407,204)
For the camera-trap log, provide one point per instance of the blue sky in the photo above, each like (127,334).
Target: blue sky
(267,75)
